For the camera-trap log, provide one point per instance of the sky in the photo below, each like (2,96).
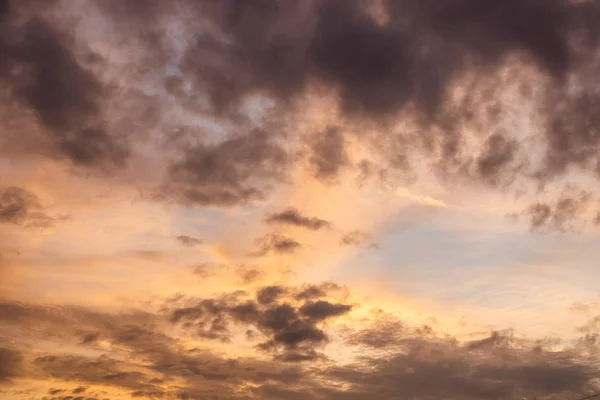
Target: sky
(299,199)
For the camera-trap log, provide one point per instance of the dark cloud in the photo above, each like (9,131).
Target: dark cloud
(101,371)
(572,134)
(270,294)
(597,219)
(16,204)
(43,74)
(353,238)
(10,364)
(292,216)
(250,275)
(246,70)
(328,154)
(20,206)
(148,362)
(559,215)
(499,366)
(384,333)
(312,291)
(276,243)
(463,378)
(411,56)
(79,389)
(293,329)
(495,339)
(226,174)
(189,241)
(408,58)
(498,154)
(321,310)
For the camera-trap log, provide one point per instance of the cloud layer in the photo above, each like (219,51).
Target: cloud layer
(177,177)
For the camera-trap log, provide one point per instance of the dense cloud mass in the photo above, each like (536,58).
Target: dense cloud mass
(217,158)
(43,75)
(383,61)
(499,366)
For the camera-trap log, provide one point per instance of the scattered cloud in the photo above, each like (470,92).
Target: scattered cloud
(276,243)
(291,216)
(188,241)
(353,238)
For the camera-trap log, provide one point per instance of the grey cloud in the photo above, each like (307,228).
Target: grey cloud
(20,206)
(376,67)
(79,389)
(10,364)
(321,310)
(405,62)
(188,241)
(41,71)
(494,367)
(410,59)
(328,155)
(270,294)
(500,366)
(16,204)
(497,155)
(495,339)
(225,174)
(312,291)
(291,216)
(295,329)
(353,238)
(558,215)
(101,370)
(276,243)
(597,219)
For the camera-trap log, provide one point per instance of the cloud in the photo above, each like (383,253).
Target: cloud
(353,238)
(228,102)
(462,378)
(498,154)
(20,206)
(409,59)
(143,359)
(44,76)
(188,241)
(15,204)
(328,154)
(498,366)
(276,243)
(223,174)
(269,294)
(79,389)
(291,216)
(558,215)
(99,371)
(312,291)
(10,364)
(376,67)
(284,325)
(238,82)
(322,310)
